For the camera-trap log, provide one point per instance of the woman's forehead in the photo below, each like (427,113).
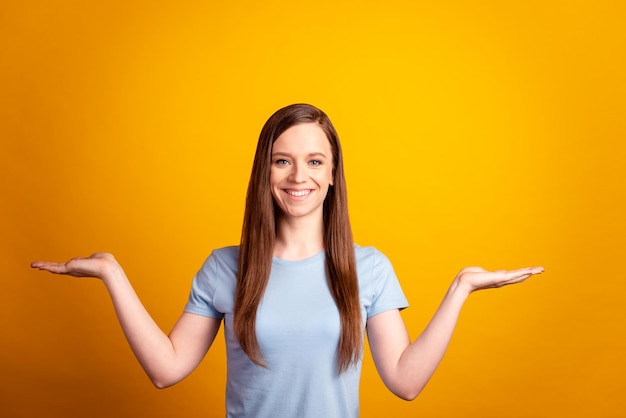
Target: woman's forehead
(304,137)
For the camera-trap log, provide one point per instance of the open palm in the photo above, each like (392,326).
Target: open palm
(477,278)
(96,265)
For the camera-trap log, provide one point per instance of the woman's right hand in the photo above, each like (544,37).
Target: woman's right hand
(96,265)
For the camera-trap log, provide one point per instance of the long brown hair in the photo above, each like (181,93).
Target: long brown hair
(259,232)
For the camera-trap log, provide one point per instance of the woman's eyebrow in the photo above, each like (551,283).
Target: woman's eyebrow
(286,154)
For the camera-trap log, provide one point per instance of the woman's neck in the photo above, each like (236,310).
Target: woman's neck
(298,239)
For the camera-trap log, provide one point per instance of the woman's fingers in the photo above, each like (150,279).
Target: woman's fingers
(58,268)
(517,276)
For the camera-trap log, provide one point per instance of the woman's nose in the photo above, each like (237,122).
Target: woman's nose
(298,173)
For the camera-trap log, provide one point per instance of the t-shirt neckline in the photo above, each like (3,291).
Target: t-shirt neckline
(315,258)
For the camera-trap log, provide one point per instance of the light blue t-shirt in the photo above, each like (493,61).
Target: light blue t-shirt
(298,330)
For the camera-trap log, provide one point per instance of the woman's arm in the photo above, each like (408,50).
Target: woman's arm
(406,367)
(166,359)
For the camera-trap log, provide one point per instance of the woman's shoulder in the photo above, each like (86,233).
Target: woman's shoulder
(231,251)
(224,258)
(367,252)
(370,260)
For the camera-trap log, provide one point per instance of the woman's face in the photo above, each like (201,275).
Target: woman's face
(301,171)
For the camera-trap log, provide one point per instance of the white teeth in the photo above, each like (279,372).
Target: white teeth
(299,193)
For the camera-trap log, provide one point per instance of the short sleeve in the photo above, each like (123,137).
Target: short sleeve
(203,288)
(386,291)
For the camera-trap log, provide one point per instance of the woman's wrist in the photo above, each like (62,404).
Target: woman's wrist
(112,272)
(460,288)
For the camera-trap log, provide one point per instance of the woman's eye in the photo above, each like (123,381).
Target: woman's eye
(315,163)
(282,162)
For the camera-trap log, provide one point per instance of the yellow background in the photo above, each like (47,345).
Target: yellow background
(476,133)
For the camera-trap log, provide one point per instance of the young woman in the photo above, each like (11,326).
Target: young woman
(296,296)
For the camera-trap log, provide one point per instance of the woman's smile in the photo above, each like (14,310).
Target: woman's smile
(299,193)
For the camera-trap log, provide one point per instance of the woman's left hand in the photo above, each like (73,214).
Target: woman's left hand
(477,278)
